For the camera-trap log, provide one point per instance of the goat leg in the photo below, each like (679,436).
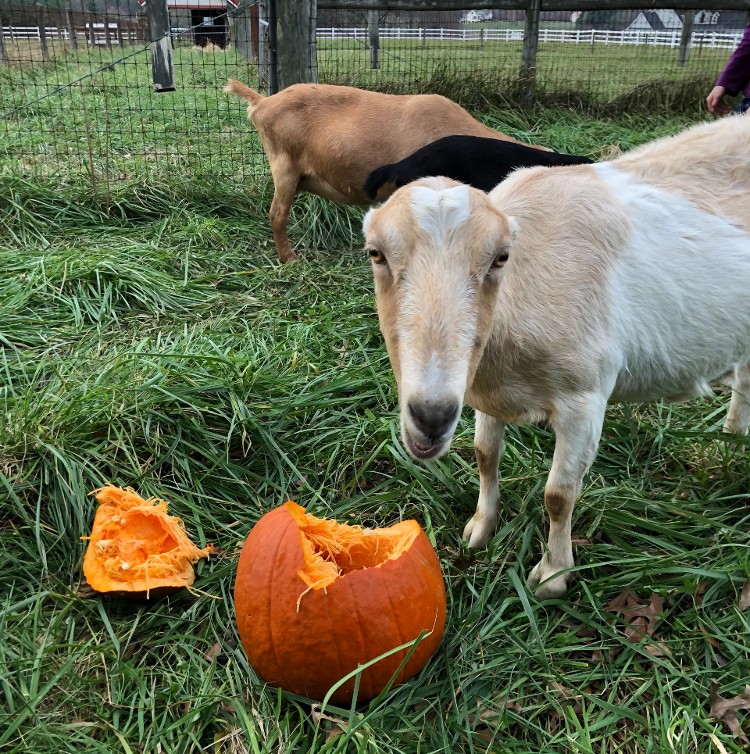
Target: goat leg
(738,417)
(489,442)
(285,182)
(578,425)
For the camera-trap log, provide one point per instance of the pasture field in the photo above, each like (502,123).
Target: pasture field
(150,338)
(68,123)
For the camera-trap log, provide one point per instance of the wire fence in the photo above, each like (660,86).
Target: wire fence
(77,102)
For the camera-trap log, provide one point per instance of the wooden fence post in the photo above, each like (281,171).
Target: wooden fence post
(3,56)
(374,32)
(241,31)
(528,53)
(107,33)
(72,41)
(162,66)
(91,32)
(42,32)
(683,53)
(294,46)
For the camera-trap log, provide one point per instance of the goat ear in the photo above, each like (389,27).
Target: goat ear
(366,220)
(513,227)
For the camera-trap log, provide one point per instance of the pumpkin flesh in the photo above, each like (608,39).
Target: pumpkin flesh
(315,599)
(136,546)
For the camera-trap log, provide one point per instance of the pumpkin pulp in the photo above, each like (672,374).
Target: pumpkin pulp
(331,550)
(136,546)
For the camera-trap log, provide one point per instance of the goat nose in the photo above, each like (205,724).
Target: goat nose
(433,418)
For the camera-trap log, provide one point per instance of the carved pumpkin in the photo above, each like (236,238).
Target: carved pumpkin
(137,547)
(315,599)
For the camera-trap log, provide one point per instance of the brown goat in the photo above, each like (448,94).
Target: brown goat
(327,139)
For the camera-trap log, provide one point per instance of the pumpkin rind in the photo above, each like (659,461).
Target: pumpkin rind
(137,547)
(304,640)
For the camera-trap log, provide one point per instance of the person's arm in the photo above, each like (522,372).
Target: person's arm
(734,77)
(736,74)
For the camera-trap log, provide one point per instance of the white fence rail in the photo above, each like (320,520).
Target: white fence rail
(711,39)
(62,33)
(719,40)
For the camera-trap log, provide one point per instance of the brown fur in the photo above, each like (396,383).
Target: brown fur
(327,139)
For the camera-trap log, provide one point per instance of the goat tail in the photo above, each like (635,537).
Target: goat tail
(375,180)
(243,90)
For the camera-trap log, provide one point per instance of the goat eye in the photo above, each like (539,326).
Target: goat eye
(500,259)
(376,256)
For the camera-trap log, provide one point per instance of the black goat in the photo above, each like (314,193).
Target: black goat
(475,160)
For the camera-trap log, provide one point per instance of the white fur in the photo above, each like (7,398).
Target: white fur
(440,212)
(626,280)
(679,296)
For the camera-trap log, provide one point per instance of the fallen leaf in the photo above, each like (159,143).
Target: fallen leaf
(726,709)
(333,732)
(745,596)
(213,652)
(489,718)
(640,619)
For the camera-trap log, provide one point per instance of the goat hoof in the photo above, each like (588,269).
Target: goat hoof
(289,258)
(478,532)
(553,586)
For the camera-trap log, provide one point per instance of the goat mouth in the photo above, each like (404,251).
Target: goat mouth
(422,452)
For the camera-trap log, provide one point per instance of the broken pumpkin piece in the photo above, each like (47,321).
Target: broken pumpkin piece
(136,547)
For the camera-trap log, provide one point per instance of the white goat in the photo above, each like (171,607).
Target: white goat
(561,290)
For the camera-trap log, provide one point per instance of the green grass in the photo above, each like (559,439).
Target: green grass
(93,118)
(149,338)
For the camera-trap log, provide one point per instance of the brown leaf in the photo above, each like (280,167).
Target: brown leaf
(640,619)
(488,719)
(500,704)
(213,652)
(333,732)
(745,596)
(726,710)
(568,696)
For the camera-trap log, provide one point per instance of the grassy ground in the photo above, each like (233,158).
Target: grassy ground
(149,338)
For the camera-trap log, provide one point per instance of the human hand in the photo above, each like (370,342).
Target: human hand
(715,101)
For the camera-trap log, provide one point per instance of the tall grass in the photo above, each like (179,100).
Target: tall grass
(150,338)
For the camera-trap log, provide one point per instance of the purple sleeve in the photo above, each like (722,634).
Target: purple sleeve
(736,76)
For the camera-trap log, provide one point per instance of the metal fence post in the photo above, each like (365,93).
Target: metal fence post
(528,53)
(374,32)
(313,44)
(162,66)
(273,41)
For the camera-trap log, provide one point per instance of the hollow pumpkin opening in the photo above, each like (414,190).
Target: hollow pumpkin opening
(331,550)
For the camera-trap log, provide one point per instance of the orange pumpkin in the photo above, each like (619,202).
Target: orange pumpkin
(137,547)
(315,599)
